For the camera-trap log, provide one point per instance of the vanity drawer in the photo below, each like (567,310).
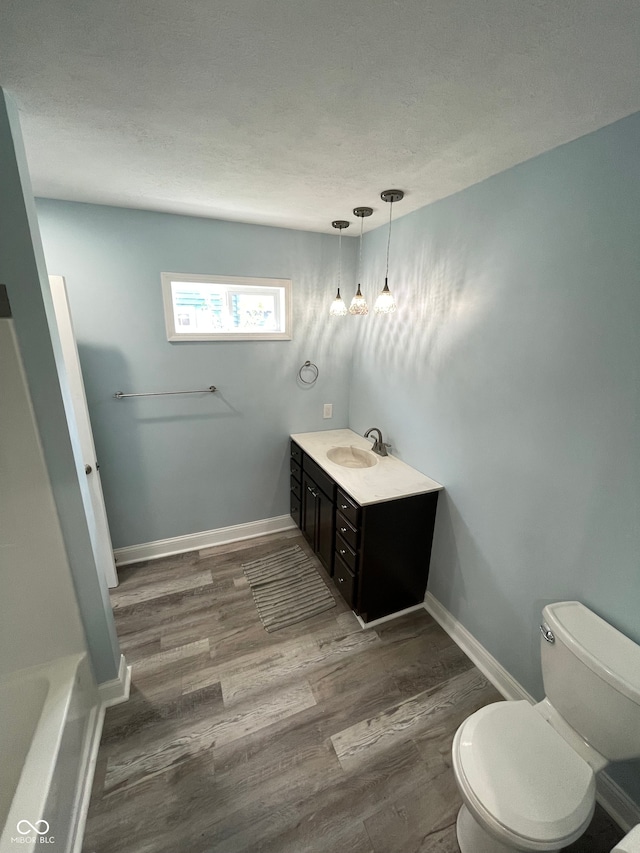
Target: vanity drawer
(348,507)
(296,470)
(295,508)
(296,488)
(347,531)
(322,480)
(296,453)
(345,580)
(346,553)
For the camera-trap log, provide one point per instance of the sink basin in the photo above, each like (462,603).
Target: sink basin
(352,457)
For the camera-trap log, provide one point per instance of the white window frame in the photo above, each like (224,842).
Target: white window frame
(234,284)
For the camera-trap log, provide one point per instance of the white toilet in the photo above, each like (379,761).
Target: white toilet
(630,843)
(526,773)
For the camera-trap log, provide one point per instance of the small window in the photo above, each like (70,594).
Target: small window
(217,308)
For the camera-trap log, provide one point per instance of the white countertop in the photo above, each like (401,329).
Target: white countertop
(388,479)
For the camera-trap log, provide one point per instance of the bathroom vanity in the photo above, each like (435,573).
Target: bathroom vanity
(368,518)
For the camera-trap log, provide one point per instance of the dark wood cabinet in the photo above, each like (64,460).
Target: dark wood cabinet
(315,515)
(378,554)
(394,554)
(318,520)
(295,493)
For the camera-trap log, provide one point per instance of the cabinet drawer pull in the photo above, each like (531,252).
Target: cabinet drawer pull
(344,506)
(340,580)
(342,551)
(343,530)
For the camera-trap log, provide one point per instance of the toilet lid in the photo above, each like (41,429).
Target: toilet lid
(522,771)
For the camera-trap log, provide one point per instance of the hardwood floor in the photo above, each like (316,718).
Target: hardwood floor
(319,738)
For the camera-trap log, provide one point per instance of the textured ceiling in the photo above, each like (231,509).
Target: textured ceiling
(292,112)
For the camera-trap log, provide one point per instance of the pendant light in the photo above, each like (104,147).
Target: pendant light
(338,307)
(385,303)
(359,303)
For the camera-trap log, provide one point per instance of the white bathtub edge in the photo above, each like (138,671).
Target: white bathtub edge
(45,742)
(117,690)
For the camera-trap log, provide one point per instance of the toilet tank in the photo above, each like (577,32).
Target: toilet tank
(591,675)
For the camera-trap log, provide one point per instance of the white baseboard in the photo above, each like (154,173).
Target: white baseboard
(618,805)
(502,680)
(117,690)
(109,693)
(205,539)
(388,618)
(621,808)
(83,795)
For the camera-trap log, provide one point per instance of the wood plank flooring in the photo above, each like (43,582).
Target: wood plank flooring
(319,738)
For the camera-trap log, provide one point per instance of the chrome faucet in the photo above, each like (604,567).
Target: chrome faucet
(379,446)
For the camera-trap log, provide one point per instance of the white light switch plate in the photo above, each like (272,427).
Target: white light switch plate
(327,411)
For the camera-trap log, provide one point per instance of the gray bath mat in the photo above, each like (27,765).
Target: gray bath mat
(287,588)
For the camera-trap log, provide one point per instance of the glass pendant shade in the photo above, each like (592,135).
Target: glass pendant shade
(338,307)
(385,303)
(358,304)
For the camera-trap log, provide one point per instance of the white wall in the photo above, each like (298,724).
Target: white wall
(23,272)
(39,618)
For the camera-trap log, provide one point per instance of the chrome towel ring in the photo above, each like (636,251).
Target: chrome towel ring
(311,370)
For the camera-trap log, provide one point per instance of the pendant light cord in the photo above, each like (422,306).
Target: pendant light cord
(360,258)
(389,239)
(339,258)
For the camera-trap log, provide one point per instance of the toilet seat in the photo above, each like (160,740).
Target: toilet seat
(521,779)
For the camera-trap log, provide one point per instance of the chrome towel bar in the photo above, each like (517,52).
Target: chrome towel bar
(119,394)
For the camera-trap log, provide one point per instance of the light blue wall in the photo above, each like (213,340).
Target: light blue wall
(171,466)
(511,374)
(22,270)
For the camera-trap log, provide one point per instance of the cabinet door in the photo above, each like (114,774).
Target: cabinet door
(325,530)
(309,510)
